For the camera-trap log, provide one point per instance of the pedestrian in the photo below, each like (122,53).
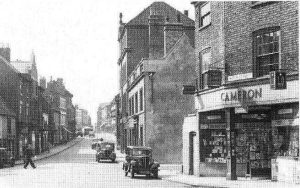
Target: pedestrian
(48,146)
(28,155)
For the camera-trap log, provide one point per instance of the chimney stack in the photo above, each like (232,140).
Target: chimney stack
(156,34)
(121,16)
(43,82)
(186,12)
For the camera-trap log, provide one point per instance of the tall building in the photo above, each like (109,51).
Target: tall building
(153,67)
(82,118)
(247,94)
(27,67)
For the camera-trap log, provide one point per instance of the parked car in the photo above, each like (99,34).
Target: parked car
(106,151)
(6,158)
(96,142)
(139,161)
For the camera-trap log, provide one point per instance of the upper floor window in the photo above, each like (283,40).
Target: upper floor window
(136,103)
(141,100)
(204,15)
(205,60)
(266,50)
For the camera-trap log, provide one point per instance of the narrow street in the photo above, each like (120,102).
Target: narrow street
(75,167)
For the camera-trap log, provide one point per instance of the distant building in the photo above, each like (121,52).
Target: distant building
(82,118)
(27,67)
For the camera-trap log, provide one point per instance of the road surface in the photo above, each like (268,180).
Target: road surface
(75,167)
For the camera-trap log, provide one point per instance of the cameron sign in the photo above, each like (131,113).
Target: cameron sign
(242,95)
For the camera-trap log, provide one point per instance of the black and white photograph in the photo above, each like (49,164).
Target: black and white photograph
(146,93)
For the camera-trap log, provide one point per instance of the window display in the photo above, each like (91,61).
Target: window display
(254,144)
(214,142)
(286,141)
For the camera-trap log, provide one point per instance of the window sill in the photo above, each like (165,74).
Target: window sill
(203,27)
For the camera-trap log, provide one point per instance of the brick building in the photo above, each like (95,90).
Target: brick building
(152,72)
(247,91)
(7,128)
(63,112)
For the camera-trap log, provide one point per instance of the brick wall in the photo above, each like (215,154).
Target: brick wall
(241,23)
(169,107)
(211,36)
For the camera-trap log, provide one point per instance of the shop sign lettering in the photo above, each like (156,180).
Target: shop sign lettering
(242,95)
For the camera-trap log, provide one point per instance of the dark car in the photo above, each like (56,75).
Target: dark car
(139,161)
(96,142)
(6,158)
(106,151)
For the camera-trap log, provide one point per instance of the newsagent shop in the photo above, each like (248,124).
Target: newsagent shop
(245,130)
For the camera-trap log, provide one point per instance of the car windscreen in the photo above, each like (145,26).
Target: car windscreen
(140,152)
(107,146)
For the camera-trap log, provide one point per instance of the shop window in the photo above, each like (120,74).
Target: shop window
(266,50)
(286,141)
(204,18)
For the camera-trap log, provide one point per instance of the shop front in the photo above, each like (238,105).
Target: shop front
(244,130)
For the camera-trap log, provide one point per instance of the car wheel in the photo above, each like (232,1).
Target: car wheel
(148,176)
(131,173)
(113,160)
(12,163)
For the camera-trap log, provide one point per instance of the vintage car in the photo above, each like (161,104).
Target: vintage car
(96,142)
(6,158)
(139,161)
(106,151)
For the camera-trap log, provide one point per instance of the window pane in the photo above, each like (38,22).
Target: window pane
(266,38)
(259,39)
(276,35)
(206,61)
(271,37)
(205,20)
(276,47)
(265,49)
(259,50)
(270,48)
(205,9)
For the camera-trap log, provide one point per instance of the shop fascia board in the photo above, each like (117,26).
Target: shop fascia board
(212,99)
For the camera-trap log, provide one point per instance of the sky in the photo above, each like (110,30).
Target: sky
(73,39)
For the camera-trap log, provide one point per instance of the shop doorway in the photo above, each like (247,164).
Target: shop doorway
(191,152)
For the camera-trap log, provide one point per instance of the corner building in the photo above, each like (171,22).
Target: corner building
(246,125)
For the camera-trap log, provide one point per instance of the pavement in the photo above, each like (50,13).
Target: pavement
(172,173)
(53,151)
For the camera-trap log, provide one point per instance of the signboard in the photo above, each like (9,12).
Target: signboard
(240,77)
(285,122)
(277,80)
(241,110)
(257,95)
(188,90)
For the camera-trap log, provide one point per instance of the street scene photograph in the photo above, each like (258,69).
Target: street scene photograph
(146,93)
